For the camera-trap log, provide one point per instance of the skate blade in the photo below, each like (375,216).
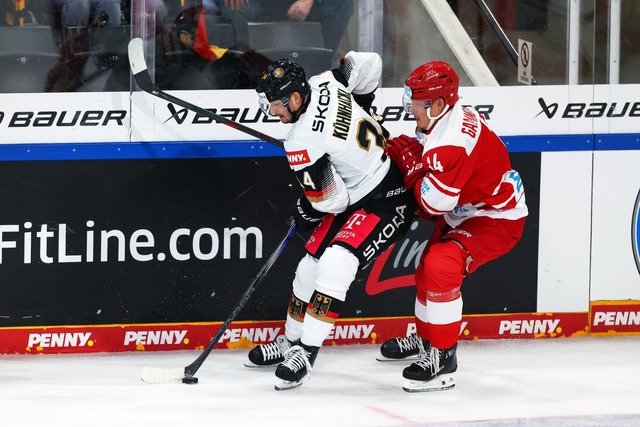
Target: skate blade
(381,358)
(250,364)
(281,384)
(440,383)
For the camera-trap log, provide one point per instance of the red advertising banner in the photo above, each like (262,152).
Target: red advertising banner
(195,336)
(614,317)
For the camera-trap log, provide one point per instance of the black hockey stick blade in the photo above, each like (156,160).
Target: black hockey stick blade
(186,374)
(143,79)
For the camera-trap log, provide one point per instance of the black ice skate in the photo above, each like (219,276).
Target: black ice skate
(266,355)
(432,372)
(297,365)
(405,348)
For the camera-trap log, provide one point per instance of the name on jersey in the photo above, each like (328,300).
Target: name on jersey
(470,123)
(296,158)
(343,118)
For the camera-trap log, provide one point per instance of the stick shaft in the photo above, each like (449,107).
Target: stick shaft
(191,369)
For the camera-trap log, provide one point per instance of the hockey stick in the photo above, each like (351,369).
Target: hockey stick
(186,374)
(143,79)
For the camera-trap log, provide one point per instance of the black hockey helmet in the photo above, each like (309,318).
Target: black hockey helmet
(281,79)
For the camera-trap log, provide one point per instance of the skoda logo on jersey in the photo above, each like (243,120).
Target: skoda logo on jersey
(635,232)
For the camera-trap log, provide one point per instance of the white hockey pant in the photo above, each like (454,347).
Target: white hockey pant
(331,275)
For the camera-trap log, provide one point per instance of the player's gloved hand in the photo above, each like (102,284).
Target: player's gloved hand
(406,153)
(305,216)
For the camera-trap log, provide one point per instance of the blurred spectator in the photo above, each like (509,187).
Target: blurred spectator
(75,13)
(334,15)
(65,14)
(194,54)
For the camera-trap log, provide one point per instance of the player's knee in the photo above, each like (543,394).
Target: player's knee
(337,269)
(304,281)
(443,271)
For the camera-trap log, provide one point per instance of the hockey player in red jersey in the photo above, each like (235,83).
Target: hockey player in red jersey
(461,176)
(353,199)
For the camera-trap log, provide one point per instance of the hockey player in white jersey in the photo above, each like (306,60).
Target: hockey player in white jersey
(462,178)
(353,198)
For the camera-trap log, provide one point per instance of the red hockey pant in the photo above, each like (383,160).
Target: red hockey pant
(450,254)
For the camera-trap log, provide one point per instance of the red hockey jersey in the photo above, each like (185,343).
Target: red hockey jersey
(468,171)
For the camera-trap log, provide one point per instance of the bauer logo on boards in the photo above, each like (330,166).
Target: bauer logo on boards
(576,110)
(63,119)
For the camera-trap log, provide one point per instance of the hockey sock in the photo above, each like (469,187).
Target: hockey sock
(295,317)
(322,312)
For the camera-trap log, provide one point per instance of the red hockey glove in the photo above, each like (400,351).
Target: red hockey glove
(406,153)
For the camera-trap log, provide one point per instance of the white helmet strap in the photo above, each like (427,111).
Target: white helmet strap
(432,120)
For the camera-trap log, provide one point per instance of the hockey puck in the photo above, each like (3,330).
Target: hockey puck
(189,380)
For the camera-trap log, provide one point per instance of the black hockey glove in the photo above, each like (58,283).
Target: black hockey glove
(305,216)
(343,72)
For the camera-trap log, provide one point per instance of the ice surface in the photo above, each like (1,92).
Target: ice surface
(588,381)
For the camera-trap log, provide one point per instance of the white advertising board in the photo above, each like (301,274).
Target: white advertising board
(564,234)
(537,110)
(64,117)
(615,272)
(107,116)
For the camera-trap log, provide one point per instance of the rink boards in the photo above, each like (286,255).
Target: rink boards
(132,224)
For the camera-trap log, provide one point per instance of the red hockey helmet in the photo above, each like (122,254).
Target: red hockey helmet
(431,81)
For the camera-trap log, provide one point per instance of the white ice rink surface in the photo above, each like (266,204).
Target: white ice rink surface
(590,381)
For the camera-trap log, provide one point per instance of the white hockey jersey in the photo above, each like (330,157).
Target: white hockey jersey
(468,171)
(335,148)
